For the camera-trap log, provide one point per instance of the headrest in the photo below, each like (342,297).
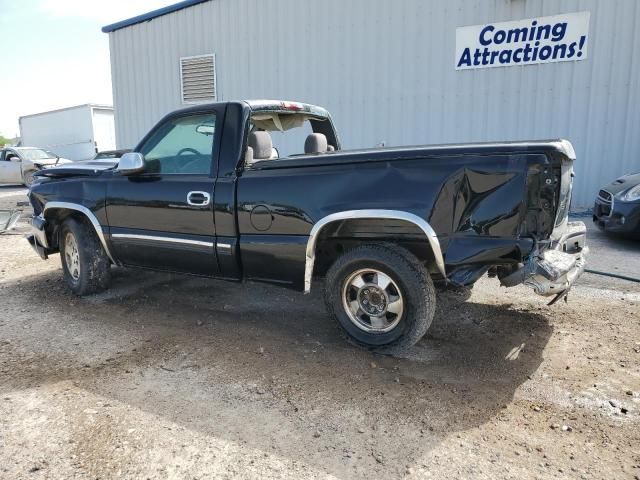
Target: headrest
(315,143)
(261,143)
(248,156)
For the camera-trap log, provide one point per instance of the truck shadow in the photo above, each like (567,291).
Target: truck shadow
(266,367)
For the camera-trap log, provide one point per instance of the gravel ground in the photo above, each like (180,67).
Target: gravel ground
(175,377)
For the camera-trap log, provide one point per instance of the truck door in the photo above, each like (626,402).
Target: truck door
(163,217)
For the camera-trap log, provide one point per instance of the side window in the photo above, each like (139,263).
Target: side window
(183,145)
(291,142)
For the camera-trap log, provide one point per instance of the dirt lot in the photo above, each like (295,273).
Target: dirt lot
(176,377)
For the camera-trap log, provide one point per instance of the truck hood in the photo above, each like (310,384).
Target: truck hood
(89,168)
(49,162)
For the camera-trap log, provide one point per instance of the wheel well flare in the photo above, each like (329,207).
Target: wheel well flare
(67,208)
(422,226)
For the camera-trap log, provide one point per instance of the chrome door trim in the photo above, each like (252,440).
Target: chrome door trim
(369,213)
(89,214)
(206,195)
(157,238)
(609,203)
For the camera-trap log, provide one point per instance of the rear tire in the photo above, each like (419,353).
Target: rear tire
(381,295)
(86,266)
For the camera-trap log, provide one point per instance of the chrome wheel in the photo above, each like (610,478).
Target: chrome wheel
(29,179)
(72,255)
(372,300)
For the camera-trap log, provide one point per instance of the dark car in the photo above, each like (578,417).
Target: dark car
(262,191)
(617,206)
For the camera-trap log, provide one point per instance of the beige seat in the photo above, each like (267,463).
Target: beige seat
(259,147)
(316,143)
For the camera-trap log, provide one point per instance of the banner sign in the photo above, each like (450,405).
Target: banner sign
(560,38)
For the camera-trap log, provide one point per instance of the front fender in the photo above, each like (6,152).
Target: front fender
(56,206)
(54,199)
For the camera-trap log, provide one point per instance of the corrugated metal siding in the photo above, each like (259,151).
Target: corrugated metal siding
(385,69)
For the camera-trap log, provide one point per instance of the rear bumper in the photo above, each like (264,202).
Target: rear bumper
(38,237)
(558,267)
(554,270)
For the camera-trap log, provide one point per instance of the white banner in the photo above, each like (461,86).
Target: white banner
(560,38)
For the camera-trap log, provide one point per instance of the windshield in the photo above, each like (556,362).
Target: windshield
(35,154)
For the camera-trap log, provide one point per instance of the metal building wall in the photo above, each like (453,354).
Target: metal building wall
(385,69)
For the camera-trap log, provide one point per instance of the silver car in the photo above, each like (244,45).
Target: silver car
(18,164)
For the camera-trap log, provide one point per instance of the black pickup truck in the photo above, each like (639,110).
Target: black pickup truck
(206,192)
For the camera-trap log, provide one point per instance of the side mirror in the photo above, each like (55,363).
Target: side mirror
(130,163)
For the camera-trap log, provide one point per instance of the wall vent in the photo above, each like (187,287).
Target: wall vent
(198,79)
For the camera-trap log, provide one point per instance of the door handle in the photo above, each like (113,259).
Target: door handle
(198,199)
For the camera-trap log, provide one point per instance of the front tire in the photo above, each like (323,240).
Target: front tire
(381,295)
(28,178)
(85,264)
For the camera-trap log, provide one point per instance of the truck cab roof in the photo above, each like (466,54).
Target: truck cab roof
(276,106)
(284,106)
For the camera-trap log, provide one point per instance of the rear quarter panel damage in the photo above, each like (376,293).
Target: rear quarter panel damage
(475,203)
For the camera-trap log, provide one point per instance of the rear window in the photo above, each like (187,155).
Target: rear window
(289,134)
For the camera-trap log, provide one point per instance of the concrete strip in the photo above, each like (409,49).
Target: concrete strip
(15,193)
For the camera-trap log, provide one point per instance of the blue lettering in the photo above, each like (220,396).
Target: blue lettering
(505,56)
(485,30)
(499,37)
(517,55)
(545,52)
(465,58)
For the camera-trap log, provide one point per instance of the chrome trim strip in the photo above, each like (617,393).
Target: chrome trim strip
(608,203)
(162,239)
(89,214)
(373,213)
(226,246)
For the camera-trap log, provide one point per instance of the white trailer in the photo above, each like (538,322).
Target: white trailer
(76,133)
